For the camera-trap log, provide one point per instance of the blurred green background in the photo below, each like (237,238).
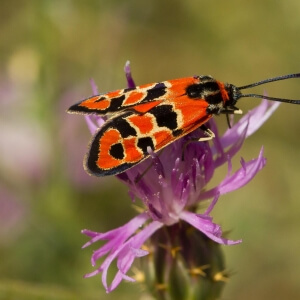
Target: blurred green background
(49,50)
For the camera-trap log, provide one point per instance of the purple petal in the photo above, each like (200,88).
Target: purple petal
(206,226)
(240,178)
(93,121)
(212,205)
(127,70)
(236,145)
(123,246)
(128,255)
(257,117)
(115,237)
(94,87)
(91,124)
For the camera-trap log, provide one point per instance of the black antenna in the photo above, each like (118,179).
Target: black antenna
(284,77)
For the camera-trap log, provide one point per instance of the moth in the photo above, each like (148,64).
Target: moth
(155,115)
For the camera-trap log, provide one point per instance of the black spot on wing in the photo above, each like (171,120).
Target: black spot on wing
(144,143)
(116,103)
(157,91)
(77,108)
(84,109)
(91,159)
(177,132)
(101,98)
(117,151)
(119,123)
(123,127)
(165,116)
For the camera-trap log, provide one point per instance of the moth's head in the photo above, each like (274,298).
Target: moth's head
(234,94)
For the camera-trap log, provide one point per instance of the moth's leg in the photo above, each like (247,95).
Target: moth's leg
(209,136)
(231,111)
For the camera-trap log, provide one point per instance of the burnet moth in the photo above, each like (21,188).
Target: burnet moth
(155,115)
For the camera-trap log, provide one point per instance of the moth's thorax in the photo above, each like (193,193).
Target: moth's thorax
(217,94)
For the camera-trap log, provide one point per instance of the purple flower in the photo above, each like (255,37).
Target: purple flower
(171,184)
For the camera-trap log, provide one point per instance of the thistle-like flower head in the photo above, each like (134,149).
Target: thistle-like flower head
(171,184)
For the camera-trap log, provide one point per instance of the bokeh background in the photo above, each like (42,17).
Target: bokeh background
(49,50)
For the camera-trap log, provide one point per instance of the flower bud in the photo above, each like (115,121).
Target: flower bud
(183,263)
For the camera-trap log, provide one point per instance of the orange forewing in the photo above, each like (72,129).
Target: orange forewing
(154,115)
